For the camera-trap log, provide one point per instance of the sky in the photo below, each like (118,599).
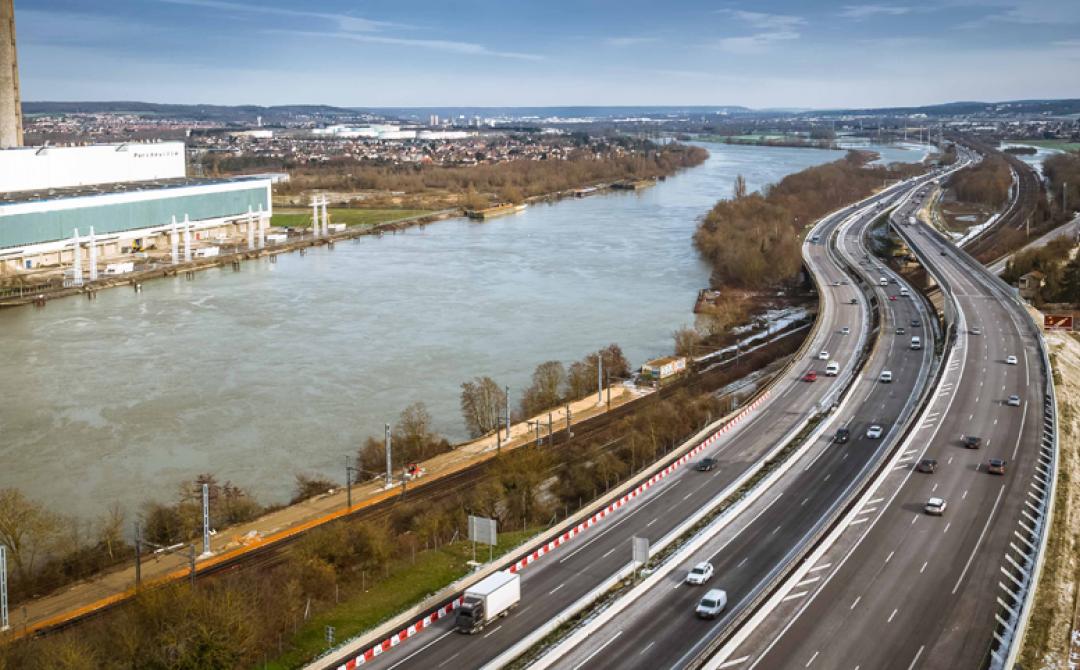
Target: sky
(385,53)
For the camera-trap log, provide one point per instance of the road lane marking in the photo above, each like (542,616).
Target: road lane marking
(986,526)
(964,494)
(600,649)
(809,580)
(743,562)
(811,659)
(449,659)
(916,659)
(947,527)
(793,596)
(494,630)
(893,615)
(647,647)
(889,557)
(923,568)
(421,649)
(733,662)
(820,567)
(856,602)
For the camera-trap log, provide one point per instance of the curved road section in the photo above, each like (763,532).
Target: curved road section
(907,589)
(553,584)
(660,629)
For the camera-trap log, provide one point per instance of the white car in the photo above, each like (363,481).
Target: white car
(874,432)
(1011,360)
(712,604)
(845,330)
(824,356)
(886,376)
(1013,401)
(935,506)
(700,573)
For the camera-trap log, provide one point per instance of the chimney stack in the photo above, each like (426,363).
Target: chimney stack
(11,134)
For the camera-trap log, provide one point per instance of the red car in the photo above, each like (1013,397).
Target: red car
(892,297)
(810,376)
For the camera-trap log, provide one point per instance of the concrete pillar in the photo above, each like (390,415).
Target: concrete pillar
(315,217)
(76,265)
(174,240)
(325,219)
(250,230)
(93,255)
(10,102)
(187,239)
(262,228)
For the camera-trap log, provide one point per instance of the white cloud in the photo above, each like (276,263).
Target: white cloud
(465,48)
(754,44)
(772,28)
(764,21)
(344,21)
(859,12)
(629,41)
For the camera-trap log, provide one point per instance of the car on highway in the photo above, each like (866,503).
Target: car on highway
(874,432)
(904,292)
(996,466)
(914,323)
(972,441)
(842,435)
(976,331)
(1010,360)
(853,301)
(712,604)
(927,465)
(883,281)
(832,369)
(700,573)
(810,376)
(916,343)
(900,331)
(823,355)
(886,377)
(1013,401)
(845,330)
(935,506)
(892,298)
(705,464)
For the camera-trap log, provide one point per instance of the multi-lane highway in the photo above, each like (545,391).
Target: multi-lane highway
(910,590)
(553,583)
(660,628)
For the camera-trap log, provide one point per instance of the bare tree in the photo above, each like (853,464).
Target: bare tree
(482,402)
(547,388)
(413,431)
(739,191)
(687,341)
(26,529)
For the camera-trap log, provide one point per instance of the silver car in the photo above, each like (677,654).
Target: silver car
(1013,401)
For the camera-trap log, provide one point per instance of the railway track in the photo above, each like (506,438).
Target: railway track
(597,430)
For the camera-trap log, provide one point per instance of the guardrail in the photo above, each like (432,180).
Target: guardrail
(812,541)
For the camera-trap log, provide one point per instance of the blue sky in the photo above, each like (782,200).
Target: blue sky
(552,52)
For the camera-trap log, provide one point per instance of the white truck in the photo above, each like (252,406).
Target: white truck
(487,600)
(911,220)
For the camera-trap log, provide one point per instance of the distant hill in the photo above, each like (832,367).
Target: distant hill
(225,113)
(1064,107)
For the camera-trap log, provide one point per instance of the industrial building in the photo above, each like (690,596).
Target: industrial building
(70,212)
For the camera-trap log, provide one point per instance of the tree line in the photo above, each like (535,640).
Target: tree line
(752,240)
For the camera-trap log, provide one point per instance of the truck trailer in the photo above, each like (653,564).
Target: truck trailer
(487,600)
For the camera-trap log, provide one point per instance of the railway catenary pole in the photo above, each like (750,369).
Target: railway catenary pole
(3,589)
(206,519)
(506,398)
(600,378)
(138,555)
(387,445)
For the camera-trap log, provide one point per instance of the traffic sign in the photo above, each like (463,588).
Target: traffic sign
(1057,322)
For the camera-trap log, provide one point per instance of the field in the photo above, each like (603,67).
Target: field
(301,218)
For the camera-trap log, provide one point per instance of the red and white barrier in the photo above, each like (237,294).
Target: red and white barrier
(399,637)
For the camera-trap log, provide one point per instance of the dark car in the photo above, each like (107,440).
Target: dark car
(853,301)
(996,466)
(705,464)
(927,465)
(842,435)
(899,331)
(972,441)
(914,323)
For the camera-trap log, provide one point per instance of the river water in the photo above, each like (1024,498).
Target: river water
(285,367)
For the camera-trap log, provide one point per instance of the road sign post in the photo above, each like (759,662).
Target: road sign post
(1057,322)
(484,531)
(640,552)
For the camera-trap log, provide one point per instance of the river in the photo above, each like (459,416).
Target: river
(285,367)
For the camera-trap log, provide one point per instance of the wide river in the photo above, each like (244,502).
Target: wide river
(284,368)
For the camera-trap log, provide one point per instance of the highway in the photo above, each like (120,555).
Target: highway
(908,590)
(556,581)
(660,629)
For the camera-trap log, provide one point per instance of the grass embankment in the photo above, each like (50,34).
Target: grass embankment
(407,585)
(301,218)
(1048,639)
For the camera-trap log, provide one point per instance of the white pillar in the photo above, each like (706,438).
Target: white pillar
(262,231)
(187,239)
(93,255)
(325,219)
(174,239)
(76,268)
(315,217)
(251,230)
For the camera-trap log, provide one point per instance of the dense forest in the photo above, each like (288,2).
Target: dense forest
(753,240)
(985,183)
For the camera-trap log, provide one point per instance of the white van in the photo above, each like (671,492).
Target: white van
(916,343)
(886,376)
(832,369)
(883,281)
(712,604)
(904,292)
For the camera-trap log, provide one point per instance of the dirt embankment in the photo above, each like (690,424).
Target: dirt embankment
(1051,636)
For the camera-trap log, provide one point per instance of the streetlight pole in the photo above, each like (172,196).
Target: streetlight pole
(349,470)
(206,519)
(3,590)
(386,443)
